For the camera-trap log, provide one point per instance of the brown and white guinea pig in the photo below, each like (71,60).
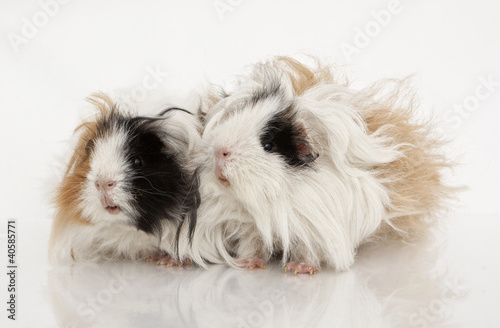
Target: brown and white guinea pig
(297,164)
(129,183)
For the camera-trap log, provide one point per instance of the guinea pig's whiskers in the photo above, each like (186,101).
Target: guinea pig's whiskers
(154,173)
(166,195)
(159,192)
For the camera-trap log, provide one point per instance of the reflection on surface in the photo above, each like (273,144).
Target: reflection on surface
(403,286)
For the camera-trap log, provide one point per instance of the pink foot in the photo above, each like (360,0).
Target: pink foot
(251,263)
(155,257)
(165,259)
(301,267)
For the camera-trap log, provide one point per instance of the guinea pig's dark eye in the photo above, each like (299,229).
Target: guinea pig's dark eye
(268,146)
(137,161)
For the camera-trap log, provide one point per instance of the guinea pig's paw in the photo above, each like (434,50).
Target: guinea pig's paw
(301,267)
(170,261)
(167,260)
(251,263)
(185,263)
(155,257)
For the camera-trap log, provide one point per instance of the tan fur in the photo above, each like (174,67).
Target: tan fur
(301,76)
(415,180)
(67,199)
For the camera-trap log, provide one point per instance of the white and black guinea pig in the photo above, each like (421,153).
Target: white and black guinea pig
(296,164)
(129,183)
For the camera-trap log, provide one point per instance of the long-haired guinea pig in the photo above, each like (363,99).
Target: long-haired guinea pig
(297,165)
(129,183)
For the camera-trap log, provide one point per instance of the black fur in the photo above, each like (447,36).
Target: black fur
(190,209)
(283,136)
(158,180)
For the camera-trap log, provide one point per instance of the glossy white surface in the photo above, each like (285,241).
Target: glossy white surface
(452,48)
(450,281)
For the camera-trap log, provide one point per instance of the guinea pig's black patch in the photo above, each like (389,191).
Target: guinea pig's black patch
(161,188)
(284,136)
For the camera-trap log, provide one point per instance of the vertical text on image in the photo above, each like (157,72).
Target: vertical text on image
(11,269)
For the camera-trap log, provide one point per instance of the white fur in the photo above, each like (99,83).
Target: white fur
(102,241)
(108,163)
(319,214)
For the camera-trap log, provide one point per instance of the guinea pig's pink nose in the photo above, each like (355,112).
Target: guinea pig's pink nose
(105,185)
(223,153)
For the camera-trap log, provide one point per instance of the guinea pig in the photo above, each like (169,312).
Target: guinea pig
(296,164)
(129,183)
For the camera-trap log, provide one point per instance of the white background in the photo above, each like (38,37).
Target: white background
(54,54)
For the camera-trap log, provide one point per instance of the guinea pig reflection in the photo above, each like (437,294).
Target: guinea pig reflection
(126,295)
(368,295)
(128,184)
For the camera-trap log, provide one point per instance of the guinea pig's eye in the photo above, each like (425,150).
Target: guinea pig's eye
(268,146)
(137,161)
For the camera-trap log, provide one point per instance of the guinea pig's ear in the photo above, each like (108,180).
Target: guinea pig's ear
(272,82)
(302,143)
(207,103)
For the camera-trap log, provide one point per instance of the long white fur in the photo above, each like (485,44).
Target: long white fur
(320,214)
